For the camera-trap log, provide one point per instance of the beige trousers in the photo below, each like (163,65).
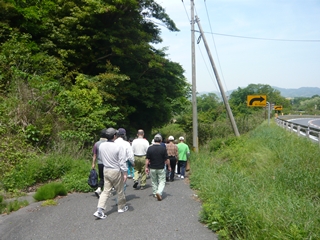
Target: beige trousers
(112,178)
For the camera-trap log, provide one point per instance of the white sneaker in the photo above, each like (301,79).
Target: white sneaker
(178,175)
(100,215)
(182,177)
(98,192)
(123,209)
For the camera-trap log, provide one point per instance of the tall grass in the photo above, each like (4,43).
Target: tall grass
(265,185)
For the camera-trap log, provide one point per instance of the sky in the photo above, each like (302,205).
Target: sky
(274,42)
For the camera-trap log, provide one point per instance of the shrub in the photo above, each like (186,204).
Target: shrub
(13,151)
(169,130)
(220,143)
(36,170)
(77,178)
(50,191)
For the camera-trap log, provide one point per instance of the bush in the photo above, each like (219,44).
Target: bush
(220,143)
(36,170)
(77,178)
(169,130)
(13,151)
(50,191)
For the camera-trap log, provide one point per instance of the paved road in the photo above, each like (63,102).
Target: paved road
(175,217)
(312,122)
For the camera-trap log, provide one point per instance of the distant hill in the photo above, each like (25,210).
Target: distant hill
(286,92)
(299,92)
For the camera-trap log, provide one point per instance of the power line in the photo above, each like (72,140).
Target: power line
(248,37)
(215,47)
(265,39)
(199,39)
(186,11)
(210,72)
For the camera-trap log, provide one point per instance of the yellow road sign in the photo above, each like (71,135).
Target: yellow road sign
(256,100)
(279,108)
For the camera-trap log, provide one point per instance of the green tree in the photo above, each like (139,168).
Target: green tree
(311,106)
(91,39)
(86,35)
(209,107)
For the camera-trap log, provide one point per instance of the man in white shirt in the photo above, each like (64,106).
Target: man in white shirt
(115,172)
(139,147)
(121,140)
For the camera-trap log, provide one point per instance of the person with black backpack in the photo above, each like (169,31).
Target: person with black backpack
(115,170)
(97,158)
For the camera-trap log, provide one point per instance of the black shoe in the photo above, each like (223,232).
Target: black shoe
(135,185)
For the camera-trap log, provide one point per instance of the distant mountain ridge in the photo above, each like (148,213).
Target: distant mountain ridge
(286,92)
(299,92)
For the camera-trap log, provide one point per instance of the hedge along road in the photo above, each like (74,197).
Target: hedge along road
(175,217)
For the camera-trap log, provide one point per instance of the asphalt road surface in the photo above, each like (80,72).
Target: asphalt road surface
(307,122)
(175,217)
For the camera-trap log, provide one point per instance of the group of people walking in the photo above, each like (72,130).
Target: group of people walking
(114,154)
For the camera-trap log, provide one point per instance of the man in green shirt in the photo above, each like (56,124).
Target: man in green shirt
(184,152)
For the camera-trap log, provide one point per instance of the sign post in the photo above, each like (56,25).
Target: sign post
(269,107)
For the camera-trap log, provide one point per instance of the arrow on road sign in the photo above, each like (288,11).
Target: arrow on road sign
(260,99)
(257,100)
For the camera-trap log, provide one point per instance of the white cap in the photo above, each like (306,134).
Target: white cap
(181,138)
(170,138)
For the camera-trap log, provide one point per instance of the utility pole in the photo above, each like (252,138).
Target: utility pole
(225,100)
(194,85)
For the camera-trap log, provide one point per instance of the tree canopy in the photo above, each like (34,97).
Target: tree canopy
(87,64)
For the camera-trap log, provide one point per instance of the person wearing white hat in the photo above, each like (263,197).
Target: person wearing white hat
(184,153)
(173,156)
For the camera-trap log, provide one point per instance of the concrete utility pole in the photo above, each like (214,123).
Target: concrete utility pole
(225,100)
(194,85)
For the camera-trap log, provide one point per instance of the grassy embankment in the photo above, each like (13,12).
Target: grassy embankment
(265,185)
(54,173)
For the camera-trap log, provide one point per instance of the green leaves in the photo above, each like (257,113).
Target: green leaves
(79,66)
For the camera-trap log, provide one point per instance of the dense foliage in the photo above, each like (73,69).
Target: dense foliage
(70,68)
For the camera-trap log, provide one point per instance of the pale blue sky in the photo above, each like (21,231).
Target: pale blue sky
(242,61)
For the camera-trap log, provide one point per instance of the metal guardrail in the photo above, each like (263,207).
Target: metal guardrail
(302,130)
